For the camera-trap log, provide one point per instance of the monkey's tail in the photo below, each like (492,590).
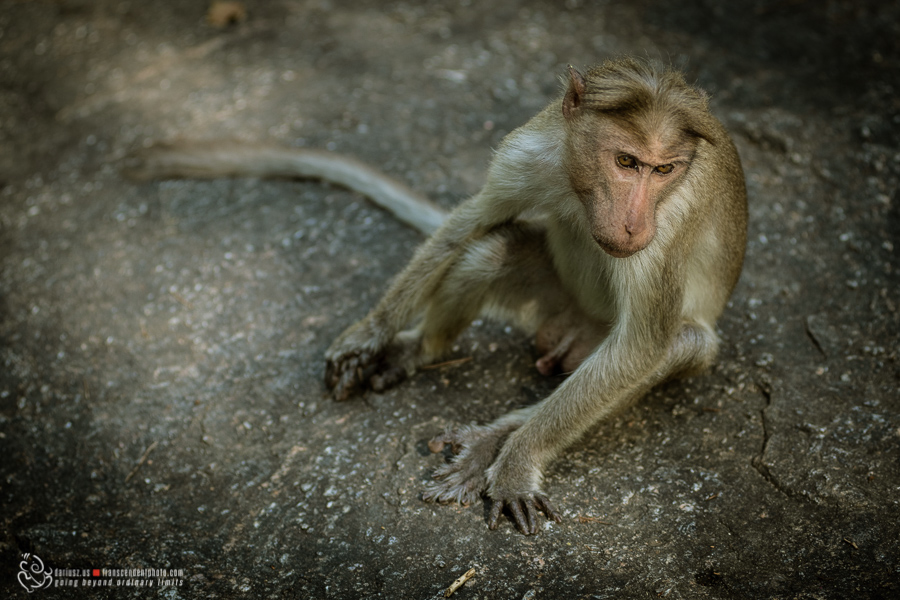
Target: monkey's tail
(215,159)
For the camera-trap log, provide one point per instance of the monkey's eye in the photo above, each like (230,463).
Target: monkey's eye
(664,169)
(626,161)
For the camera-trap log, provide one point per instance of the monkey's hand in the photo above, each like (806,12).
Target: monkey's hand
(354,359)
(524,509)
(463,479)
(365,357)
(509,489)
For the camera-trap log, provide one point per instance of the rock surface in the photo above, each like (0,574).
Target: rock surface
(161,404)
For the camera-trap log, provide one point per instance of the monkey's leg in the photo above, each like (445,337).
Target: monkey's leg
(505,270)
(508,274)
(599,388)
(500,273)
(456,300)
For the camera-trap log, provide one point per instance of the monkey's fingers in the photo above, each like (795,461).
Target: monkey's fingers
(345,387)
(336,369)
(332,374)
(449,436)
(432,493)
(543,503)
(437,443)
(526,520)
(494,516)
(524,512)
(458,481)
(348,374)
(349,382)
(442,493)
(526,525)
(387,379)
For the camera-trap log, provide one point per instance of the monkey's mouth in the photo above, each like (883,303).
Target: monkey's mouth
(614,250)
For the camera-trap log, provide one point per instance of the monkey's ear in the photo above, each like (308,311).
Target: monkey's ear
(574,94)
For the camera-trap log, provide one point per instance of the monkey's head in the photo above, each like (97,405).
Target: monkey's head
(633,129)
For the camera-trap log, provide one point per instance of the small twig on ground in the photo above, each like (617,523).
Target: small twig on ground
(181,300)
(459,582)
(592,520)
(166,63)
(141,461)
(449,363)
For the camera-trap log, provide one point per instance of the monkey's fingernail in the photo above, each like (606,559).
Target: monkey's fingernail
(494,517)
(519,517)
(349,366)
(528,510)
(544,503)
(345,386)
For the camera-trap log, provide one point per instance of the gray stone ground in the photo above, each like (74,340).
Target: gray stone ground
(161,344)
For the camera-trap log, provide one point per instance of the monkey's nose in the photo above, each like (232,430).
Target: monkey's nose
(634,225)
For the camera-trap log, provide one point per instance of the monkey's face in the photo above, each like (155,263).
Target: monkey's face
(621,176)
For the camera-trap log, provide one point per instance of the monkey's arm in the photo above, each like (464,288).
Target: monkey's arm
(358,351)
(646,344)
(524,173)
(224,158)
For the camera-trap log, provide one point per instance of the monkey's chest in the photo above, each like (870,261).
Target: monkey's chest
(584,270)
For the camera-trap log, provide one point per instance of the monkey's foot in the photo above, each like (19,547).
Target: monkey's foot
(523,509)
(552,361)
(463,480)
(565,341)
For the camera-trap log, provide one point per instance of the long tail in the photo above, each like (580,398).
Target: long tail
(215,159)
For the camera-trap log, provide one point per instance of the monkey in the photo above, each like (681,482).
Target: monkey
(612,227)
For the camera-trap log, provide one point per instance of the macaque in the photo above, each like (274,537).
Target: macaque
(612,227)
